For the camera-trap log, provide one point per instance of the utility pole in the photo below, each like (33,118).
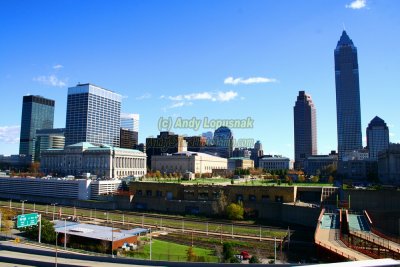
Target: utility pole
(0,221)
(112,237)
(23,206)
(274,250)
(65,234)
(54,209)
(40,228)
(150,243)
(56,246)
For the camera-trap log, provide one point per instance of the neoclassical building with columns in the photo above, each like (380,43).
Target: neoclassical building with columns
(103,161)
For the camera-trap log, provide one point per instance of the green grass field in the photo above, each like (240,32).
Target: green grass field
(168,251)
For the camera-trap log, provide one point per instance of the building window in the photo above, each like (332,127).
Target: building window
(264,198)
(252,198)
(279,199)
(159,193)
(139,192)
(239,197)
(149,193)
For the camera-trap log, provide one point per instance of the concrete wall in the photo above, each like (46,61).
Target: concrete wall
(380,200)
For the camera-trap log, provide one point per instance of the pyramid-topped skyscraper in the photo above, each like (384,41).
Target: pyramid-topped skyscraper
(348,108)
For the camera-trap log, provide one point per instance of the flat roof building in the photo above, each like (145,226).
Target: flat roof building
(275,162)
(93,115)
(66,188)
(37,113)
(103,161)
(188,161)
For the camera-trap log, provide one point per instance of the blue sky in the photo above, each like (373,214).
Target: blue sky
(173,58)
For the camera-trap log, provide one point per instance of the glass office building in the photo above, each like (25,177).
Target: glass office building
(37,113)
(93,115)
(348,108)
(305,129)
(377,137)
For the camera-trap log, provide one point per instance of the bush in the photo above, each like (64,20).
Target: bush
(235,211)
(254,259)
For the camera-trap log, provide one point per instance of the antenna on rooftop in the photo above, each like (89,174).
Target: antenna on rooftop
(344,26)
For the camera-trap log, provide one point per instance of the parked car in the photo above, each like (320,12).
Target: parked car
(245,255)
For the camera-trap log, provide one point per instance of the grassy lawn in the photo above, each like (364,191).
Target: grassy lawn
(195,181)
(163,250)
(268,183)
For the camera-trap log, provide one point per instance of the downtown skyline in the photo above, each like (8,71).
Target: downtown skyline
(268,86)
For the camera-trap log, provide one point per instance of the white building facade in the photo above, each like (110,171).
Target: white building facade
(82,189)
(188,161)
(275,163)
(102,161)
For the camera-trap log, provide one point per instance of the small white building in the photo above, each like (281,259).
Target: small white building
(188,161)
(103,161)
(275,162)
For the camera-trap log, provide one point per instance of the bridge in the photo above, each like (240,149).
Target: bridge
(351,235)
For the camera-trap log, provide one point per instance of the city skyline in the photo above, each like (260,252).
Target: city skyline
(187,90)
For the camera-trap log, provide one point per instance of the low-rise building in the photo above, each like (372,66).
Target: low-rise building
(82,189)
(188,161)
(275,162)
(240,163)
(91,235)
(103,161)
(317,163)
(389,165)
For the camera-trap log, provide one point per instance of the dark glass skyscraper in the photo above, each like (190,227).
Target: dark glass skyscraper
(348,108)
(93,115)
(377,137)
(305,129)
(37,113)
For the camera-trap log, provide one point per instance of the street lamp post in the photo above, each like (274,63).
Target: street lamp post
(54,209)
(23,206)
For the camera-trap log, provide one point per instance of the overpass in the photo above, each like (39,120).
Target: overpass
(350,235)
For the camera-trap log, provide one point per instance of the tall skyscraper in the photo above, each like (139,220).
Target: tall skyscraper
(93,115)
(37,113)
(377,137)
(347,96)
(305,129)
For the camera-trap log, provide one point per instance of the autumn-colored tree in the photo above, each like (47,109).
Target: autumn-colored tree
(235,211)
(191,255)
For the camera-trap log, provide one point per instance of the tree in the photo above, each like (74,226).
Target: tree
(301,178)
(158,174)
(254,259)
(191,255)
(6,220)
(235,211)
(315,179)
(228,251)
(222,202)
(330,179)
(48,233)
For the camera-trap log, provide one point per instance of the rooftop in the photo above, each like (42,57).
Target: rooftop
(96,231)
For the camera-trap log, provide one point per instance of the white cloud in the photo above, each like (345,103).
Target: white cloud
(250,80)
(392,134)
(10,134)
(186,100)
(212,96)
(357,4)
(145,96)
(50,80)
(58,66)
